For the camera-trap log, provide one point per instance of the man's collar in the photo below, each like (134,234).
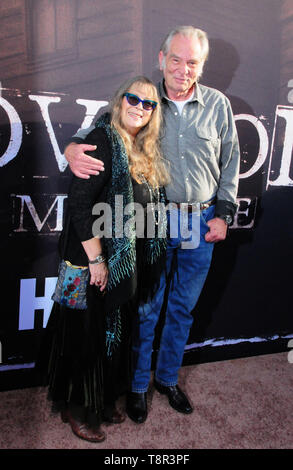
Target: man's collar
(197,96)
(162,91)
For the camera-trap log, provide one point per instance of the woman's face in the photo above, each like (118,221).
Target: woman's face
(135,117)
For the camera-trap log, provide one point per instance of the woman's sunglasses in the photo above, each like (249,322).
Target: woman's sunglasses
(134,100)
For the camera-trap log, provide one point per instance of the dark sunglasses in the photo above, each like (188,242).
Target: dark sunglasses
(134,100)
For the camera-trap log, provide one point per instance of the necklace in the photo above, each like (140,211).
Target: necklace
(154,197)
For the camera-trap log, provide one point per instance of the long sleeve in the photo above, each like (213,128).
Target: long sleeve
(229,165)
(230,158)
(84,193)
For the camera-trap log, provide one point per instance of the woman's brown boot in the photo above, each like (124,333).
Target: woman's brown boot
(82,430)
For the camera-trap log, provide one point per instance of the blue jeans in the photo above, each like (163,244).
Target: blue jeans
(185,288)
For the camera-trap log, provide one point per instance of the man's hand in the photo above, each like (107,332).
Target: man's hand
(82,165)
(217,232)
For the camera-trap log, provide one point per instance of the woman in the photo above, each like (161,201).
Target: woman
(88,349)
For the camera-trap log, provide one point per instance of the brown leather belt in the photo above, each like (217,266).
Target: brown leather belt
(193,207)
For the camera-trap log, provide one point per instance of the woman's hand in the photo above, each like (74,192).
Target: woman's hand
(99,275)
(98,271)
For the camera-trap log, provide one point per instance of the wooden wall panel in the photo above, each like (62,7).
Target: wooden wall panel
(12,38)
(56,51)
(286,55)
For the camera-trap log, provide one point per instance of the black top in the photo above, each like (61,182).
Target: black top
(85,193)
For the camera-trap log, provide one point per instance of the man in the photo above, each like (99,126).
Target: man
(199,140)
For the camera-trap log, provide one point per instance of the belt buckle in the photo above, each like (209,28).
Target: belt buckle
(204,205)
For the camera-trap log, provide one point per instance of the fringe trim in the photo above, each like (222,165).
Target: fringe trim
(154,249)
(113,333)
(121,268)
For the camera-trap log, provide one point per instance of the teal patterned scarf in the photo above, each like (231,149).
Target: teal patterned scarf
(121,251)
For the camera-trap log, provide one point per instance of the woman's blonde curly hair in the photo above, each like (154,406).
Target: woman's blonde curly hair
(143,152)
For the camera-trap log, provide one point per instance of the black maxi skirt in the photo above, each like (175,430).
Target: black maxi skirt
(73,360)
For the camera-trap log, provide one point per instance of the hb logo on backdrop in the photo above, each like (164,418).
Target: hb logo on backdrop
(30,304)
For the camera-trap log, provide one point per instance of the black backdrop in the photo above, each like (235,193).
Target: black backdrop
(60,63)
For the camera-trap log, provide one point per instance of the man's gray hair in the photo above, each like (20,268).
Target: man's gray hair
(187,31)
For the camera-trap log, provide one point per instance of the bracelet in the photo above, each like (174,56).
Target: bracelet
(98,260)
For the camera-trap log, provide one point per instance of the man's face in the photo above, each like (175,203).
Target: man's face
(181,66)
